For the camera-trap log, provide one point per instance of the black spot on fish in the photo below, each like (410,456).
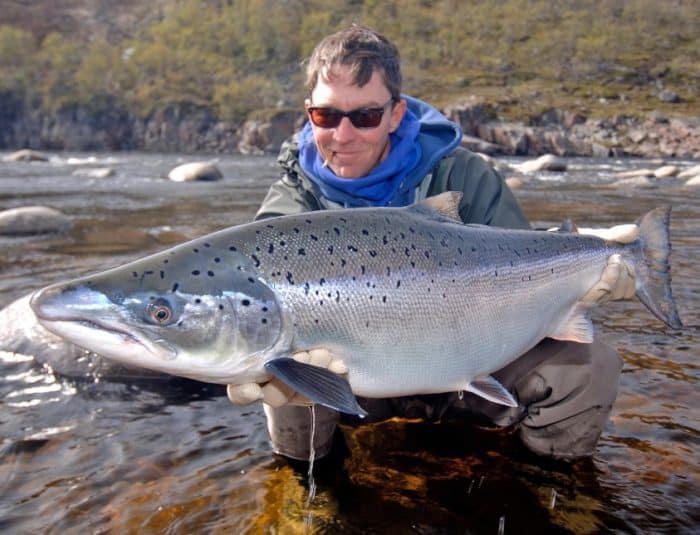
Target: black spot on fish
(175,287)
(352,248)
(264,320)
(473,249)
(232,248)
(301,252)
(365,231)
(313,237)
(245,302)
(166,261)
(221,307)
(306,288)
(330,249)
(197,301)
(257,249)
(251,280)
(195,250)
(282,243)
(290,278)
(398,283)
(210,273)
(388,271)
(372,253)
(162,274)
(255,259)
(271,248)
(342,262)
(362,269)
(336,230)
(264,309)
(308,221)
(427,254)
(384,299)
(321,282)
(217,259)
(296,230)
(134,274)
(195,272)
(343,219)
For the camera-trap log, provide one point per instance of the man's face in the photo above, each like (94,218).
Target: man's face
(353,152)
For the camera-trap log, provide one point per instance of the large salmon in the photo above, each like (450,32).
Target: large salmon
(411,299)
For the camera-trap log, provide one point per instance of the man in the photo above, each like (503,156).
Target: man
(366,144)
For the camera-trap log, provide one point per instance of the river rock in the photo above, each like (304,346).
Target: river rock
(21,332)
(476,144)
(690,172)
(635,173)
(28,220)
(26,155)
(101,172)
(547,162)
(188,172)
(635,182)
(693,181)
(666,171)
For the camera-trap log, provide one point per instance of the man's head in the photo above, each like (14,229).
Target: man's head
(362,52)
(355,70)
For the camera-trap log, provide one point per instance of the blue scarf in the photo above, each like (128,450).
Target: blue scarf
(385,185)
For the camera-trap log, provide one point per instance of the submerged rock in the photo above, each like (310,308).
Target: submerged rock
(548,162)
(188,172)
(100,172)
(26,155)
(28,220)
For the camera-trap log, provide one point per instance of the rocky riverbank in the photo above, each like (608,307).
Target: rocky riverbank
(558,132)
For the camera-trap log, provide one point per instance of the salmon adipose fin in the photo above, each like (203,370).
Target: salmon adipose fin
(653,272)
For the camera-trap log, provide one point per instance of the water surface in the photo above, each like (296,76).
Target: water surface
(157,456)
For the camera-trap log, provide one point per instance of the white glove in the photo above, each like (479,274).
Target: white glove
(618,279)
(274,392)
(616,282)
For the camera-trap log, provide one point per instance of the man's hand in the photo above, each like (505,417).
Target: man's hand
(616,282)
(275,393)
(618,278)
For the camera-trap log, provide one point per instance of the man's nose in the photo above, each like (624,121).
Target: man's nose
(345,130)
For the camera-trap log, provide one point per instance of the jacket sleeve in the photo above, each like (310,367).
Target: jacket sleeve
(486,200)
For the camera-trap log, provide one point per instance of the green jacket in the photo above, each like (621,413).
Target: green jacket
(487,200)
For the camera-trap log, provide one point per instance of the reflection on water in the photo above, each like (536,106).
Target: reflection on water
(176,457)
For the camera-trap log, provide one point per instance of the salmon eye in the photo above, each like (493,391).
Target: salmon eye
(160,312)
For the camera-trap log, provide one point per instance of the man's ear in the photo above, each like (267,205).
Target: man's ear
(397,113)
(307,103)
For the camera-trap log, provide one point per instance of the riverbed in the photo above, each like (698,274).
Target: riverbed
(95,455)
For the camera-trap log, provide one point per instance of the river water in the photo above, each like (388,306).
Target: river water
(95,455)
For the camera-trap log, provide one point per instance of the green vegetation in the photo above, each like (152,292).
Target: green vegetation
(237,57)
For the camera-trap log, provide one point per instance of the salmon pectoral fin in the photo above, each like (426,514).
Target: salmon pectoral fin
(489,388)
(576,327)
(317,384)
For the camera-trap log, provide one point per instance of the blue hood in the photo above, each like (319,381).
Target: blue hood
(437,136)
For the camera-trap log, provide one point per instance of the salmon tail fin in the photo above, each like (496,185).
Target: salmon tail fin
(654,271)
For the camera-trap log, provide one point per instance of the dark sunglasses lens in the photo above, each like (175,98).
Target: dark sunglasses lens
(325,117)
(367,118)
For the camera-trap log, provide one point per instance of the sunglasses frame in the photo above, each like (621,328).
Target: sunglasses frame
(352,115)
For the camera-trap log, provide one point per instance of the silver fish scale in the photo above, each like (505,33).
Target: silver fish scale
(409,301)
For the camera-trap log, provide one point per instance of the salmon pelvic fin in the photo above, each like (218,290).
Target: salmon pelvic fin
(654,271)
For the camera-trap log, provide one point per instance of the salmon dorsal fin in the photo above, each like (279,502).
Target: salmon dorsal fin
(446,204)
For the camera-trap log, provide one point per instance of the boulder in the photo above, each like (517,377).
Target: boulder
(188,172)
(26,155)
(635,173)
(690,172)
(28,220)
(635,182)
(101,172)
(666,171)
(547,162)
(693,181)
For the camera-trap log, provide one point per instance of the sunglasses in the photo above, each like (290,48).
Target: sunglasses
(360,117)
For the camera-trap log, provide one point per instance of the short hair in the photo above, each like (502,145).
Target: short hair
(362,50)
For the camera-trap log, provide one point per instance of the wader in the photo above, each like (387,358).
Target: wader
(565,392)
